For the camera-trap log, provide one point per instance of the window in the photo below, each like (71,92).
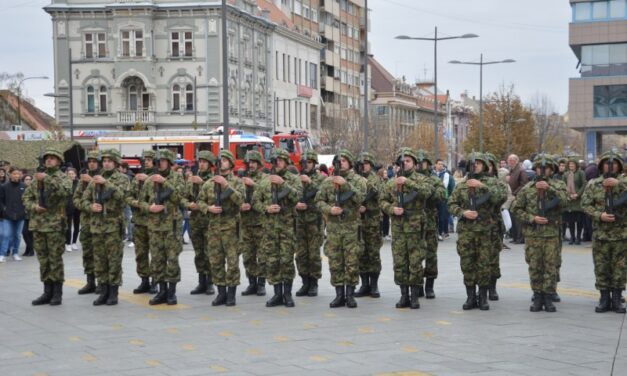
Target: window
(306,83)
(95,45)
(617,8)
(314,15)
(276,64)
(610,101)
(91,99)
(189,97)
(599,10)
(181,43)
(284,67)
(582,11)
(604,60)
(313,76)
(176,97)
(306,12)
(289,68)
(132,43)
(298,7)
(103,99)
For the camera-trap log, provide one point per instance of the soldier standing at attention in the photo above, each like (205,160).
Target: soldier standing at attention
(161,196)
(538,206)
(45,201)
(370,211)
(199,222)
(104,198)
(473,202)
(220,199)
(339,199)
(605,201)
(251,229)
(309,227)
(93,159)
(140,221)
(276,195)
(404,201)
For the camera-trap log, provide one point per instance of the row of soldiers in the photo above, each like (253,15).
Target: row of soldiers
(275,217)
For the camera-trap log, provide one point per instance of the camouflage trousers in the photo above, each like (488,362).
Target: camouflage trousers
(165,248)
(198,234)
(408,254)
(252,251)
(370,257)
(142,250)
(108,254)
(475,256)
(559,258)
(88,248)
(224,256)
(609,263)
(308,243)
(278,251)
(541,256)
(496,239)
(49,247)
(343,248)
(431,253)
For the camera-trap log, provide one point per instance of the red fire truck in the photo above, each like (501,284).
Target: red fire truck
(295,142)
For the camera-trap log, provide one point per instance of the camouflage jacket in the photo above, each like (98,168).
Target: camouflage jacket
(288,195)
(352,194)
(494,196)
(133,198)
(232,198)
(593,203)
(525,208)
(252,217)
(374,188)
(170,192)
(437,197)
(57,190)
(78,196)
(498,217)
(113,195)
(312,213)
(191,194)
(416,191)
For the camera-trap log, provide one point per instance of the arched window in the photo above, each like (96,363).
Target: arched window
(132,98)
(176,97)
(189,97)
(91,99)
(102,96)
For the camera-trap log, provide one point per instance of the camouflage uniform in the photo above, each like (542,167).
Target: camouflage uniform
(542,242)
(223,231)
(164,229)
(49,227)
(608,244)
(278,230)
(107,228)
(342,246)
(475,253)
(408,229)
(309,231)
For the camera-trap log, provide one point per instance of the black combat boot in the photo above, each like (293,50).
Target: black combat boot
(304,289)
(404,300)
(230,295)
(98,289)
(556,298)
(548,302)
(374,285)
(429,293)
(340,298)
(350,297)
(261,286)
(143,287)
(210,289)
(483,299)
(171,297)
(153,287)
(104,295)
(221,298)
(45,297)
(617,305)
(57,293)
(89,287)
(471,298)
(112,299)
(604,302)
(162,295)
(536,306)
(202,285)
(313,287)
(413,299)
(287,294)
(364,289)
(492,294)
(277,298)
(251,289)
(421,290)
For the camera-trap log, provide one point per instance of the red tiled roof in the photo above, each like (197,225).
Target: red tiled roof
(276,14)
(382,80)
(31,115)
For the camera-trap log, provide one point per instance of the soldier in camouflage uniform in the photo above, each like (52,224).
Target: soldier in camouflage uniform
(220,199)
(104,199)
(45,200)
(160,199)
(541,228)
(404,200)
(251,229)
(309,227)
(140,222)
(199,222)
(425,165)
(276,195)
(610,231)
(339,199)
(473,201)
(93,159)
(370,211)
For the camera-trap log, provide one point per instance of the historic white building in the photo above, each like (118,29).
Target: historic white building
(158,64)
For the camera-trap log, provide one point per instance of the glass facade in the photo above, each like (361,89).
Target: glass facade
(599,10)
(610,101)
(604,60)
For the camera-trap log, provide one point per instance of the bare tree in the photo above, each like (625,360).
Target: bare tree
(548,121)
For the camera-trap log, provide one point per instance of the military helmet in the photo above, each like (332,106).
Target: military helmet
(253,155)
(113,154)
(492,160)
(478,157)
(228,155)
(167,155)
(311,155)
(422,155)
(283,154)
(405,151)
(207,156)
(94,154)
(548,160)
(148,154)
(367,157)
(562,160)
(346,154)
(606,156)
(55,152)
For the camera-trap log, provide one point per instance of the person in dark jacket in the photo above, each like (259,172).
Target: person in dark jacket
(26,233)
(72,215)
(13,214)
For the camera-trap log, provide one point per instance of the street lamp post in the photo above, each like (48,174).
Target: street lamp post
(435,40)
(19,95)
(225,78)
(481,63)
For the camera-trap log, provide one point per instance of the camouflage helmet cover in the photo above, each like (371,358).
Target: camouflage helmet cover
(55,152)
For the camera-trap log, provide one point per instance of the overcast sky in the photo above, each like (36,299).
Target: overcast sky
(533,32)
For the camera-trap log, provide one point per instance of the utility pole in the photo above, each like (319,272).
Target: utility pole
(225,78)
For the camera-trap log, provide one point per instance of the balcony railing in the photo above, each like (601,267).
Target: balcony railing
(132,117)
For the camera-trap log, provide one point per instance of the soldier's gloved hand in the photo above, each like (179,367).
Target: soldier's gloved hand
(398,211)
(196,180)
(273,209)
(362,209)
(400,180)
(542,185)
(248,181)
(154,208)
(85,178)
(336,210)
(39,176)
(540,220)
(96,208)
(219,179)
(474,183)
(215,209)
(98,179)
(245,207)
(608,217)
(305,179)
(339,180)
(276,179)
(141,177)
(301,206)
(610,182)
(39,209)
(157,178)
(470,214)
